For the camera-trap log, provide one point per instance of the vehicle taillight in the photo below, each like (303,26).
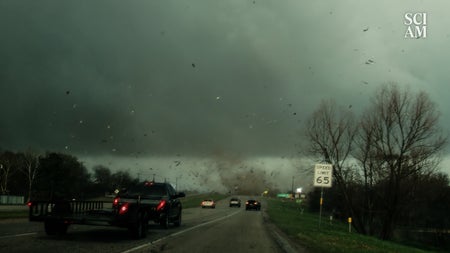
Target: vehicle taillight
(116,201)
(124,208)
(160,205)
(29,203)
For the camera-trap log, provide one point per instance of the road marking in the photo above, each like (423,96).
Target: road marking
(18,235)
(179,233)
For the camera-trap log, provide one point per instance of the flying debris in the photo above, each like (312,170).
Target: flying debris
(365,82)
(370,61)
(67,92)
(177,163)
(350,106)
(193,65)
(366,29)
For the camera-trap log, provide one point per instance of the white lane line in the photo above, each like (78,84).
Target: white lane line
(18,235)
(178,233)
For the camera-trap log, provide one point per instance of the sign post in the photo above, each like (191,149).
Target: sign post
(322,178)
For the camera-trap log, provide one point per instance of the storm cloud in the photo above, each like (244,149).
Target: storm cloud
(200,78)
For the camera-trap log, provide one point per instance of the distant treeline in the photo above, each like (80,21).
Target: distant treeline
(56,175)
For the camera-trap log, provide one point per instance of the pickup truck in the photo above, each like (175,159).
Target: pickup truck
(132,208)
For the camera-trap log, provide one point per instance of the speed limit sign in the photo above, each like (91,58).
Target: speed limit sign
(322,175)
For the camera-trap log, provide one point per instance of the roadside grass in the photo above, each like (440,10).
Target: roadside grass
(331,237)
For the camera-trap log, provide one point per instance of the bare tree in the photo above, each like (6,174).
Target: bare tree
(331,133)
(7,168)
(401,137)
(30,165)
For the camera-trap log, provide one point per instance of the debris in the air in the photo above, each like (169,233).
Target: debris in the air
(217,98)
(67,92)
(366,29)
(177,163)
(193,65)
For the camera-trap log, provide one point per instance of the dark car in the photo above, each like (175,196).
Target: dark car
(158,201)
(235,202)
(252,204)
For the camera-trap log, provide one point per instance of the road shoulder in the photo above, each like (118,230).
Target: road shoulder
(288,245)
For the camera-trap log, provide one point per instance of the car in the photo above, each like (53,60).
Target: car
(208,203)
(252,204)
(235,202)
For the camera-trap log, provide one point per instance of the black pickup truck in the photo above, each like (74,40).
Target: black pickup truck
(132,208)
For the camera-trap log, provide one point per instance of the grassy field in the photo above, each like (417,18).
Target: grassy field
(187,202)
(8,214)
(331,237)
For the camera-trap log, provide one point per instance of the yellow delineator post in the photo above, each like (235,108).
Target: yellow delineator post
(349,224)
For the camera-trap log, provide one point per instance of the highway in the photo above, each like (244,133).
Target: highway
(222,229)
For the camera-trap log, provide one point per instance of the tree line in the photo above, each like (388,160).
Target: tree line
(385,162)
(56,175)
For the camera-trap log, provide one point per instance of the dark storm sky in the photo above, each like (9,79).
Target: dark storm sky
(201,77)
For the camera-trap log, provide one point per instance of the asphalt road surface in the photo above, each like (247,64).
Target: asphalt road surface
(222,229)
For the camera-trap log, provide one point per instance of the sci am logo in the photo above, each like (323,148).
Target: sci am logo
(416,25)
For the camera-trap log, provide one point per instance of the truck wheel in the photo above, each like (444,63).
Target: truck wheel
(50,227)
(177,222)
(139,229)
(165,221)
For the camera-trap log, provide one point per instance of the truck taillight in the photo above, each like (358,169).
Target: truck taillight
(29,203)
(116,201)
(124,208)
(160,205)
